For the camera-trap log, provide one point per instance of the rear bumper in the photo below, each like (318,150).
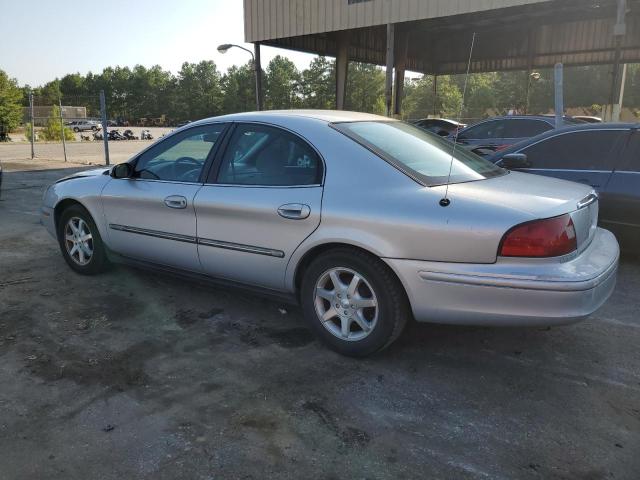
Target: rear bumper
(513,292)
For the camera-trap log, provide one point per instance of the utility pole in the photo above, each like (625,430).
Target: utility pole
(105,133)
(64,142)
(559,94)
(33,153)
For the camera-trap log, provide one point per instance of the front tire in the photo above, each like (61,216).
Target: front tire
(80,241)
(354,302)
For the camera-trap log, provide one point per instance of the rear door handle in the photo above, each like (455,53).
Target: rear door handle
(294,211)
(175,201)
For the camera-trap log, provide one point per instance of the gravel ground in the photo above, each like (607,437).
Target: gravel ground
(131,375)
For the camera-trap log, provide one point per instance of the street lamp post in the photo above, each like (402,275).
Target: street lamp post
(224,48)
(533,76)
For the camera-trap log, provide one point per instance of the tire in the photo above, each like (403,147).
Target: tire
(76,251)
(94,128)
(76,129)
(378,285)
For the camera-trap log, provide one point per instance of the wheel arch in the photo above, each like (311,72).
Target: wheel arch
(62,205)
(319,249)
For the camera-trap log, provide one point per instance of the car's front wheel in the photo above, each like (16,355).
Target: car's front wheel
(80,241)
(76,129)
(354,302)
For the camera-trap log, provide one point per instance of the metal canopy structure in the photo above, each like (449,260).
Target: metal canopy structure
(434,36)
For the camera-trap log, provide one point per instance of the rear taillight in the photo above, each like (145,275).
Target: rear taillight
(550,237)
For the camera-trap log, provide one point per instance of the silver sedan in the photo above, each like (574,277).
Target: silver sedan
(363,220)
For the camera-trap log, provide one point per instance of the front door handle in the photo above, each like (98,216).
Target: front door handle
(294,211)
(175,201)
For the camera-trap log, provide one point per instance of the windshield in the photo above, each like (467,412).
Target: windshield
(423,156)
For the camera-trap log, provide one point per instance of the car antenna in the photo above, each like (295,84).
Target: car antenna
(445,202)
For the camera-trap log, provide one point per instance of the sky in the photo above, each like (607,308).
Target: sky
(52,38)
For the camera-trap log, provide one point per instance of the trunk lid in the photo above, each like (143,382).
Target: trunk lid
(532,197)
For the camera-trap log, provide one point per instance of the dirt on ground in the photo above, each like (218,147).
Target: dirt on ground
(133,375)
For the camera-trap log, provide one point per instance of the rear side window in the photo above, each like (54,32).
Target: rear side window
(269,156)
(423,156)
(586,150)
(523,128)
(491,129)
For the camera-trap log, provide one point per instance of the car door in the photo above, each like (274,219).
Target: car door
(584,156)
(261,201)
(151,217)
(621,198)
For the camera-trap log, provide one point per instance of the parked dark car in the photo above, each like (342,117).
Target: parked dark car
(587,118)
(497,133)
(605,156)
(440,126)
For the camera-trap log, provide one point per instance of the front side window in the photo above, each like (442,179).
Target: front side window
(268,156)
(585,150)
(181,157)
(424,156)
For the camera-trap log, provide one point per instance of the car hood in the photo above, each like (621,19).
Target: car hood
(86,173)
(528,194)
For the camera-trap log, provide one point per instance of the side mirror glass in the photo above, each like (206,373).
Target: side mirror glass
(122,170)
(514,161)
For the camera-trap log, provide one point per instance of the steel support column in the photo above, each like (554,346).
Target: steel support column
(388,91)
(342,69)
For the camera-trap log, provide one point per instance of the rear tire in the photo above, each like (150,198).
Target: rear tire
(80,241)
(354,302)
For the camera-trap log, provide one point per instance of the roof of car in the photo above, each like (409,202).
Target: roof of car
(328,116)
(572,128)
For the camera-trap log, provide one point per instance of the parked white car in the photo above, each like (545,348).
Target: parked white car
(84,125)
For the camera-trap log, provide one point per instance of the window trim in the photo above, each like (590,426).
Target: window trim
(208,161)
(212,177)
(615,147)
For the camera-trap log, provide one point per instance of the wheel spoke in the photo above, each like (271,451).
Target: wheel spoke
(353,285)
(69,238)
(324,293)
(329,314)
(73,250)
(360,320)
(346,326)
(335,279)
(360,302)
(81,225)
(80,255)
(86,237)
(74,228)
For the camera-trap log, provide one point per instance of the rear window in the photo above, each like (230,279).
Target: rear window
(423,156)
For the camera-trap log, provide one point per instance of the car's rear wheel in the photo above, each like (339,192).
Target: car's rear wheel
(354,302)
(80,241)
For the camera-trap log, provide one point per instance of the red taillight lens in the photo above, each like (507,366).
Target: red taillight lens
(550,237)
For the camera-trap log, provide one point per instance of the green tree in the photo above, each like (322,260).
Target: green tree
(238,85)
(10,102)
(282,84)
(421,101)
(319,84)
(199,90)
(365,88)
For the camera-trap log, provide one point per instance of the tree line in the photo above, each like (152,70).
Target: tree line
(200,90)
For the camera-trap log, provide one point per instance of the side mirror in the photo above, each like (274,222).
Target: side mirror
(122,170)
(514,161)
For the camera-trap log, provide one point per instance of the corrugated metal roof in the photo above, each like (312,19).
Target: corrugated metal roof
(513,37)
(274,19)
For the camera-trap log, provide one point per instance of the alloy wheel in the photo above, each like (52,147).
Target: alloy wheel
(346,304)
(78,241)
